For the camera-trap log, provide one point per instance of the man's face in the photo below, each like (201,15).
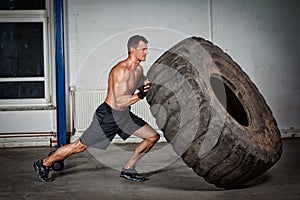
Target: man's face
(141,51)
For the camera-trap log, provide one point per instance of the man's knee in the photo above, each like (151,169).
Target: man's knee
(154,138)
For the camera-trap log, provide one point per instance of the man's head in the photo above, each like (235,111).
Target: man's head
(137,42)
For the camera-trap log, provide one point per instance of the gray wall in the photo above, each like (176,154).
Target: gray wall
(261,36)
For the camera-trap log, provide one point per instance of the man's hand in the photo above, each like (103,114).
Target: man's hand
(143,89)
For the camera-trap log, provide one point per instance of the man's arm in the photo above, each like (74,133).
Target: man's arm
(142,78)
(143,90)
(122,95)
(143,84)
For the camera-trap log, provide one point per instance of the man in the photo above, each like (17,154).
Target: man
(114,115)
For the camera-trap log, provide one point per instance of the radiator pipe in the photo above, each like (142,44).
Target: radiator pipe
(72,90)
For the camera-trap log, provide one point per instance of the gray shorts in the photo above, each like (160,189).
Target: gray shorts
(107,123)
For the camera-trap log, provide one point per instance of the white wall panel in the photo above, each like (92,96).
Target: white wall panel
(98,32)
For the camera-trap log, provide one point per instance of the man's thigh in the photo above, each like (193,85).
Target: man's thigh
(145,131)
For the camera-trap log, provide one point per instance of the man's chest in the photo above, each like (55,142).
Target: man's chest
(134,79)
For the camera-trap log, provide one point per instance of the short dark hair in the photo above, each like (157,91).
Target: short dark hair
(133,41)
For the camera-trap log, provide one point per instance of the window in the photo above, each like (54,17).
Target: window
(24,52)
(22,5)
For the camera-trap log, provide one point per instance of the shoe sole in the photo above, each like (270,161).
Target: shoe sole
(36,168)
(132,179)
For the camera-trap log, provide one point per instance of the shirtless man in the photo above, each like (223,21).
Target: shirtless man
(114,115)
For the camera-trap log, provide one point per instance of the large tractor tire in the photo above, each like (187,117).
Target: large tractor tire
(212,114)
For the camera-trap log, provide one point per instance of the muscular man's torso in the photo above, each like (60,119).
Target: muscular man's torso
(131,80)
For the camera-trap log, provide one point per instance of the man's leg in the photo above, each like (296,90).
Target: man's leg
(150,137)
(64,152)
(42,166)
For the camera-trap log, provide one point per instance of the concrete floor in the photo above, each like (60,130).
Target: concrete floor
(85,177)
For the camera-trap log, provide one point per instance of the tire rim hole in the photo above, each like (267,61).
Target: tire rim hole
(229,100)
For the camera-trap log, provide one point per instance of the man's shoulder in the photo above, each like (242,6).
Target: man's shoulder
(120,68)
(139,67)
(122,64)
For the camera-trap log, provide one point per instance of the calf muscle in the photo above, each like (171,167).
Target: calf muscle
(64,152)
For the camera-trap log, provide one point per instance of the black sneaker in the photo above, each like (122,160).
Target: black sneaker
(131,174)
(42,171)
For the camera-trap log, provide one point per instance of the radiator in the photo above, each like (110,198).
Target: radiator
(86,103)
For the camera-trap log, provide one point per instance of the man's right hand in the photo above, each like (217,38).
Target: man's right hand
(143,90)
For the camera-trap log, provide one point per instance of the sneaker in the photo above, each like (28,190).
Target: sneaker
(131,174)
(42,171)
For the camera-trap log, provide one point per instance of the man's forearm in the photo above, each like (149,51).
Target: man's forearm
(126,100)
